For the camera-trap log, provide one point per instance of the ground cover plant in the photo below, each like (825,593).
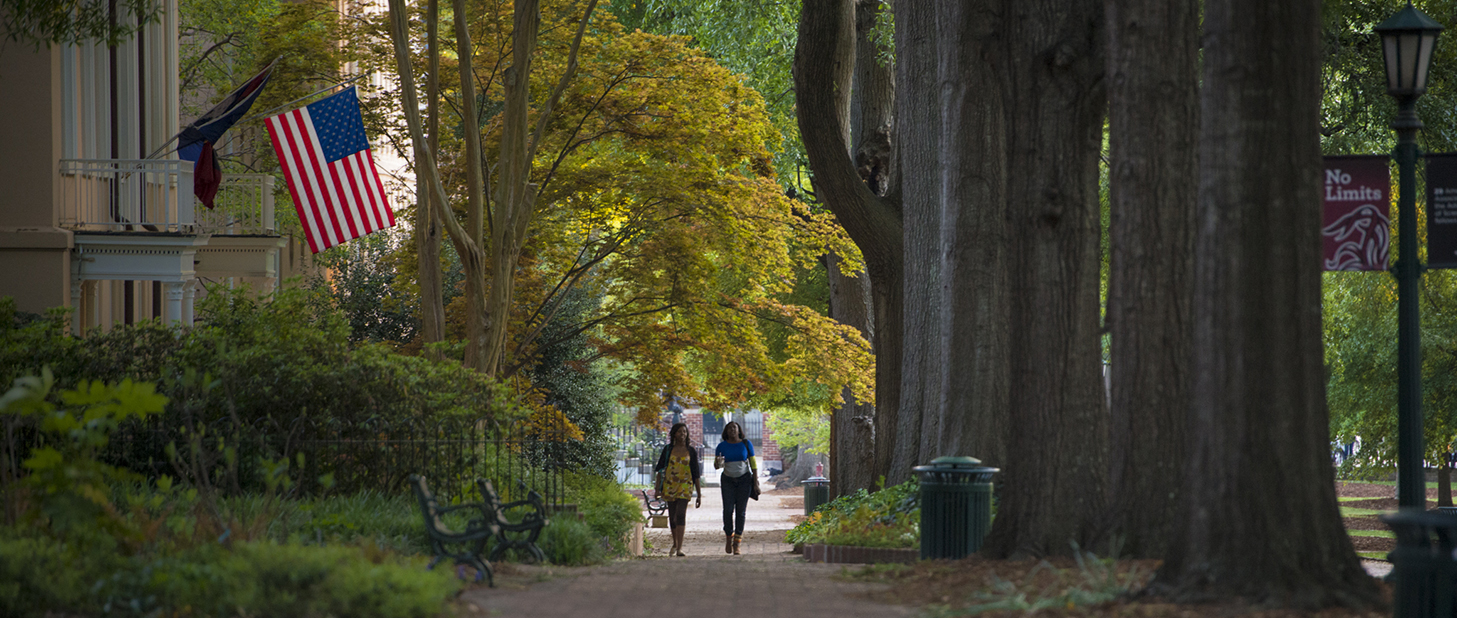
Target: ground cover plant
(887,518)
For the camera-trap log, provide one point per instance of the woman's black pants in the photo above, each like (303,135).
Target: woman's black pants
(735,501)
(678,513)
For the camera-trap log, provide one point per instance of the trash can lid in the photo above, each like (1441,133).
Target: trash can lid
(816,480)
(956,465)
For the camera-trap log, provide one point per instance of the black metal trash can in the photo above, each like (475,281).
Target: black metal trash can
(1423,567)
(956,506)
(816,493)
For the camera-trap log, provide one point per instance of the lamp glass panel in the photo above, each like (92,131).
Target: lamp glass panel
(1390,53)
(1424,59)
(1408,46)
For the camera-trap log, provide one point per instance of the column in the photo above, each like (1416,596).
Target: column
(189,294)
(76,301)
(173,292)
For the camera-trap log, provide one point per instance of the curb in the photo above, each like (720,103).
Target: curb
(850,554)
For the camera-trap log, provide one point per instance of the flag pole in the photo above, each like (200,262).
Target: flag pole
(254,116)
(312,94)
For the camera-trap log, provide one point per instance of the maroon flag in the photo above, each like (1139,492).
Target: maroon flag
(195,143)
(1356,224)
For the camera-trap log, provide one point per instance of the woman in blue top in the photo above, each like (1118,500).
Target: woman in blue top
(736,456)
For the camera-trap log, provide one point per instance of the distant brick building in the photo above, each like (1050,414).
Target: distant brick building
(705,429)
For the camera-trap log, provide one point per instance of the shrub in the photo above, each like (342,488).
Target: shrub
(280,580)
(608,511)
(37,574)
(571,542)
(887,518)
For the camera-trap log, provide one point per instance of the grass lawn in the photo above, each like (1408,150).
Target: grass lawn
(1386,534)
(1350,511)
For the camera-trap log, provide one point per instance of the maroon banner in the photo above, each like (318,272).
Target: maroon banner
(1356,224)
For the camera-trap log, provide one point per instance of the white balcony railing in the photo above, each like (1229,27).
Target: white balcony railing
(155,195)
(243,207)
(119,195)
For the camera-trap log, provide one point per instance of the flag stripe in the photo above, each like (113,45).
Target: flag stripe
(286,160)
(365,189)
(308,182)
(319,176)
(345,193)
(337,200)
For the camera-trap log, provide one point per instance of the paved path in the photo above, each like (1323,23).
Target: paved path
(765,581)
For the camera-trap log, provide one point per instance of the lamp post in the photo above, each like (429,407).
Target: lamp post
(1407,40)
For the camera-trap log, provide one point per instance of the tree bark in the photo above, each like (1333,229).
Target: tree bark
(515,193)
(427,233)
(1056,465)
(852,431)
(472,258)
(974,235)
(823,70)
(1261,520)
(1153,88)
(915,436)
(871,114)
(478,319)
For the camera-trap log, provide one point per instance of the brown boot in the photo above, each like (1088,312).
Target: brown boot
(737,538)
(728,543)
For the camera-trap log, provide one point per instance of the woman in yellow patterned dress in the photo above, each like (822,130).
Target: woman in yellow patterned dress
(681,470)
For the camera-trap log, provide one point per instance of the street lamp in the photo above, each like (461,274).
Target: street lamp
(1407,40)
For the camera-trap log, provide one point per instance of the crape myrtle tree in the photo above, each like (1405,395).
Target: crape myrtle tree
(1260,516)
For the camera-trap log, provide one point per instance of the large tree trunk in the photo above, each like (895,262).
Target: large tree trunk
(427,233)
(1054,480)
(974,235)
(823,70)
(871,112)
(852,426)
(1153,134)
(915,436)
(1260,520)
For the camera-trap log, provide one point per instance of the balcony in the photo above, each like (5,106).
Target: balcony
(151,195)
(138,220)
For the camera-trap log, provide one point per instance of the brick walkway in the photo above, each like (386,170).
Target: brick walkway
(766,581)
(757,585)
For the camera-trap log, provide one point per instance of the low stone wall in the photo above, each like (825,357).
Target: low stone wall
(849,554)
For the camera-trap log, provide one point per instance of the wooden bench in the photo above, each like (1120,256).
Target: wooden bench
(521,534)
(464,547)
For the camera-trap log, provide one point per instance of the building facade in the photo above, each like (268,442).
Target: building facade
(96,210)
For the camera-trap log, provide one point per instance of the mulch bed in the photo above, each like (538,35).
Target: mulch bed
(951,584)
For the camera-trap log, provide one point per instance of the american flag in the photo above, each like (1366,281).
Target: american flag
(330,171)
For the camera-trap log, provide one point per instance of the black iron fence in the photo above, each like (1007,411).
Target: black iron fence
(309,457)
(638,448)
